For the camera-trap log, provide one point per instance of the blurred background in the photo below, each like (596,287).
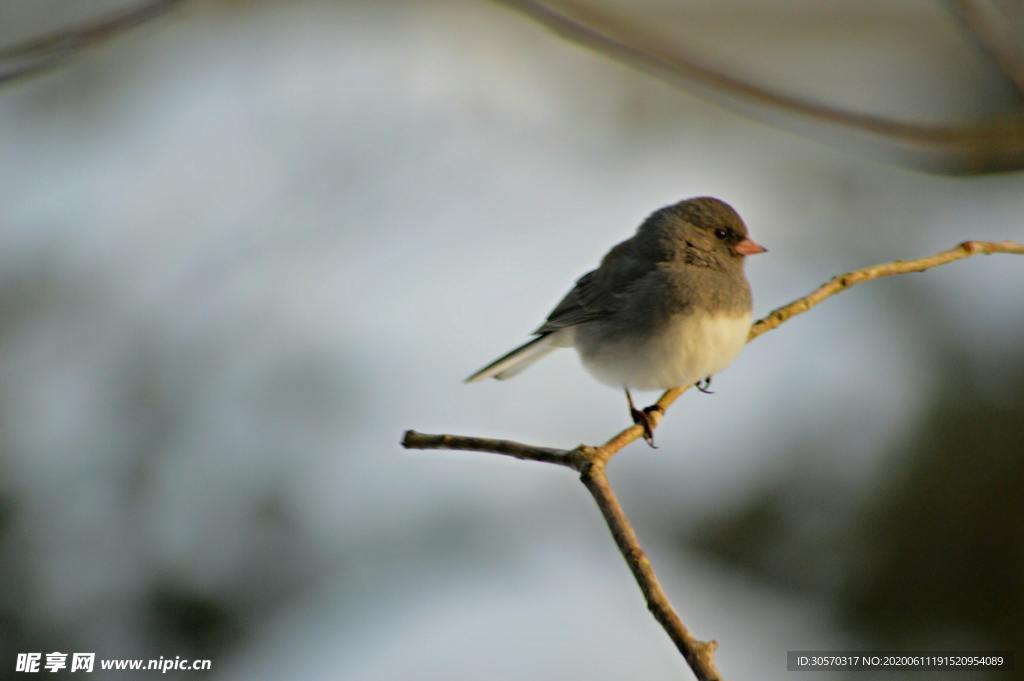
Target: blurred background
(245,245)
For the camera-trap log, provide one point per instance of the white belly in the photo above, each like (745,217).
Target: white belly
(688,350)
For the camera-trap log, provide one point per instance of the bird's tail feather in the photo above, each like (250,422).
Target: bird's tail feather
(510,364)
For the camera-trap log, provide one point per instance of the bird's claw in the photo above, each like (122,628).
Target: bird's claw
(643,418)
(703,386)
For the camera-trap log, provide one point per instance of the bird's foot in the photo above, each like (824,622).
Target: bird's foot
(642,417)
(703,386)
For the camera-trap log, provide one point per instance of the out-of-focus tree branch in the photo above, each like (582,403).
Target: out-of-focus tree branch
(986,146)
(44,52)
(1003,51)
(590,461)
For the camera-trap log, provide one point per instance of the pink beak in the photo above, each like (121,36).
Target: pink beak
(749,247)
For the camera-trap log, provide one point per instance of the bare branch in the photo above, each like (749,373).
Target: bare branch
(845,281)
(591,461)
(700,655)
(562,457)
(988,145)
(39,54)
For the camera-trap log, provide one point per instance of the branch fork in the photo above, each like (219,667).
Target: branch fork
(591,461)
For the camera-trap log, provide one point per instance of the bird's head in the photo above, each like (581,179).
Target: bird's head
(702,231)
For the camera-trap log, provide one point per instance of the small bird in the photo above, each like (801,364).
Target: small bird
(668,307)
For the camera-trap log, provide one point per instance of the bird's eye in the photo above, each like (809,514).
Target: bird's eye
(721,234)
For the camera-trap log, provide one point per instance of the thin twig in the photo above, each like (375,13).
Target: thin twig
(996,144)
(591,461)
(518,450)
(845,281)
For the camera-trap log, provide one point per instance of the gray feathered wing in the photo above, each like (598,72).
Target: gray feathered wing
(595,296)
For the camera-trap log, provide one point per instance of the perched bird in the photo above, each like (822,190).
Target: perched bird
(668,307)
